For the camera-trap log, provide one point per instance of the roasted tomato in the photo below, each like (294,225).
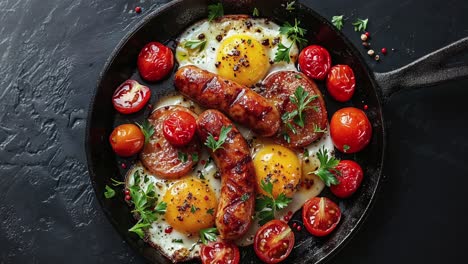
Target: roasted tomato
(315,62)
(320,216)
(155,61)
(350,177)
(350,130)
(127,140)
(219,253)
(341,82)
(130,97)
(274,241)
(179,128)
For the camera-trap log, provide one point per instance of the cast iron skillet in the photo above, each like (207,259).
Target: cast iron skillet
(373,89)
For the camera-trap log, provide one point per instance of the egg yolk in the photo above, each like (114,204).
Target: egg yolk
(280,166)
(242,59)
(191,205)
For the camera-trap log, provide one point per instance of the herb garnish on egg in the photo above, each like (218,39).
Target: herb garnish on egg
(266,205)
(294,33)
(327,170)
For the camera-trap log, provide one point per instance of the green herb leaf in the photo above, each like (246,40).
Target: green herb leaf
(177,241)
(337,21)
(360,24)
(109,193)
(283,53)
(147,129)
(282,201)
(294,33)
(298,76)
(346,148)
(290,6)
(210,211)
(302,100)
(327,170)
(317,129)
(215,11)
(161,208)
(116,182)
(182,156)
(218,144)
(139,229)
(266,205)
(193,209)
(194,44)
(255,12)
(265,216)
(195,157)
(208,234)
(306,153)
(245,197)
(286,137)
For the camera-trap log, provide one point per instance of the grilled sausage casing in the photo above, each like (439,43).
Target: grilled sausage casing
(237,201)
(238,102)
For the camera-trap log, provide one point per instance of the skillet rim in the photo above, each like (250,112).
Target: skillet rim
(357,55)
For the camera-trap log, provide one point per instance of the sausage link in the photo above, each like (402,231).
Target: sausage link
(237,201)
(238,102)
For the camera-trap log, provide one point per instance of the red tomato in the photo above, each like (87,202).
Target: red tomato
(155,61)
(315,62)
(350,130)
(320,216)
(341,82)
(130,97)
(179,128)
(219,253)
(350,178)
(127,140)
(274,241)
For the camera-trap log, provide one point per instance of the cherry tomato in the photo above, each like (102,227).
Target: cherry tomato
(179,128)
(350,178)
(320,216)
(350,130)
(127,140)
(341,82)
(274,241)
(155,61)
(220,253)
(315,62)
(130,97)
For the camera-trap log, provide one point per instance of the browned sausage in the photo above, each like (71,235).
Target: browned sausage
(162,158)
(237,202)
(238,102)
(279,86)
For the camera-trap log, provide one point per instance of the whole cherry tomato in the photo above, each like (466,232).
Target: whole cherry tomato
(274,241)
(155,61)
(130,97)
(341,82)
(127,140)
(350,130)
(350,177)
(220,253)
(320,216)
(315,62)
(179,128)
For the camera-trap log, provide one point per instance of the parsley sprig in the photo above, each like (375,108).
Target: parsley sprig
(109,193)
(327,170)
(194,44)
(208,234)
(266,205)
(360,24)
(301,99)
(215,11)
(146,206)
(337,21)
(290,5)
(147,129)
(294,33)
(215,144)
(255,12)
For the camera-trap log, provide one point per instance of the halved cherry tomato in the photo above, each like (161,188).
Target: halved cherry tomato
(274,241)
(220,253)
(350,130)
(315,62)
(350,178)
(320,216)
(130,97)
(179,128)
(127,140)
(155,61)
(341,82)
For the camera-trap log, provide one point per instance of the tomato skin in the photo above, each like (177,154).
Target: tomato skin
(155,61)
(320,216)
(220,252)
(350,127)
(179,128)
(341,82)
(265,246)
(315,62)
(350,178)
(130,97)
(127,140)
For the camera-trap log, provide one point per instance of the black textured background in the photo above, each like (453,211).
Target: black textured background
(51,53)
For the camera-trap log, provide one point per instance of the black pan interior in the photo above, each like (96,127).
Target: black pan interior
(164,25)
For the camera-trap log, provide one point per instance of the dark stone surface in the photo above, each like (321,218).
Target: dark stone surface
(51,55)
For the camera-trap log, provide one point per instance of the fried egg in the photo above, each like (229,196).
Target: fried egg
(236,47)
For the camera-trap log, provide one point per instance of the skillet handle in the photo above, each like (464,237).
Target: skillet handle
(447,63)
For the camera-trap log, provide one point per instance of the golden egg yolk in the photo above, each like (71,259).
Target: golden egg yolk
(191,206)
(280,166)
(242,59)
